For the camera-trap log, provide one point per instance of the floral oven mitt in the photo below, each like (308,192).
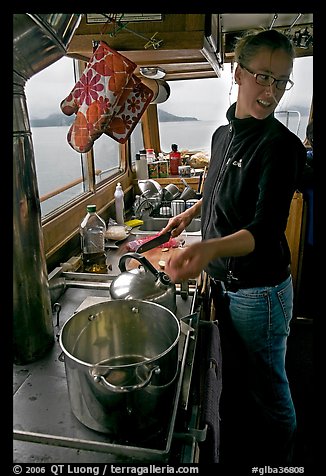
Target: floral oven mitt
(108,99)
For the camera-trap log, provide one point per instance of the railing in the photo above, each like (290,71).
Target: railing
(69,185)
(287,113)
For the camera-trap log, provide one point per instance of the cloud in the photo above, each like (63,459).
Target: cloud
(49,87)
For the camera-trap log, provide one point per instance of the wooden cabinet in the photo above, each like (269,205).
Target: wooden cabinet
(184,50)
(295,232)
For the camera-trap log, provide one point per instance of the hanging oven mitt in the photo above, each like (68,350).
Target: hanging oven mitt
(130,107)
(95,96)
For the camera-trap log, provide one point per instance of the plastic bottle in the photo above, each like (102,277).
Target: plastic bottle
(119,205)
(175,160)
(143,158)
(150,154)
(141,167)
(92,231)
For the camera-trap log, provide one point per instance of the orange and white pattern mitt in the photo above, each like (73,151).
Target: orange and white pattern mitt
(95,96)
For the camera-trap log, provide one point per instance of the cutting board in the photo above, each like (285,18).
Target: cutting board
(153,256)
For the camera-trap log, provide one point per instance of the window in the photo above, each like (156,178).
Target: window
(136,142)
(294,107)
(106,157)
(61,171)
(199,106)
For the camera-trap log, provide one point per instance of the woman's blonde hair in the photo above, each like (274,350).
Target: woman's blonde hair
(248,45)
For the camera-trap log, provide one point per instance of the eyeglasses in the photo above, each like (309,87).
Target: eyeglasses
(268,80)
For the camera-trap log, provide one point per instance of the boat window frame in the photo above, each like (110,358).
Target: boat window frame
(62,224)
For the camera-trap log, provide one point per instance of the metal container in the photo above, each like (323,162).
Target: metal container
(121,362)
(145,283)
(149,187)
(188,193)
(177,206)
(191,202)
(171,192)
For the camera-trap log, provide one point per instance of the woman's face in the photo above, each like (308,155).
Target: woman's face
(253,99)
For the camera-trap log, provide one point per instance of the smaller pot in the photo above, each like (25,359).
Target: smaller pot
(149,187)
(171,192)
(146,283)
(188,193)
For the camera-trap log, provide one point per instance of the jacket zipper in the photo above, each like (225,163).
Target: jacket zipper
(229,273)
(221,173)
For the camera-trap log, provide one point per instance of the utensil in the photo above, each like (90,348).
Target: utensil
(203,180)
(200,181)
(150,244)
(185,183)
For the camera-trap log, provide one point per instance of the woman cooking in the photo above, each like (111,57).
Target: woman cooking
(255,166)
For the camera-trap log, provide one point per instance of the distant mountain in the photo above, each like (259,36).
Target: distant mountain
(57,119)
(53,120)
(167,117)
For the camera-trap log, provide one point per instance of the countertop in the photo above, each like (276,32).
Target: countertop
(42,406)
(49,432)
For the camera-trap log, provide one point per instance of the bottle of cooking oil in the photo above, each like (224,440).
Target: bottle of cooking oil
(92,231)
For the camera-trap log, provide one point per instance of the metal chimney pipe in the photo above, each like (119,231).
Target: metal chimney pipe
(39,40)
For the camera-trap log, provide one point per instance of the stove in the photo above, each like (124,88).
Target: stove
(44,425)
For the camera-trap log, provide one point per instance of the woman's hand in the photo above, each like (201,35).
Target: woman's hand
(178,223)
(187,263)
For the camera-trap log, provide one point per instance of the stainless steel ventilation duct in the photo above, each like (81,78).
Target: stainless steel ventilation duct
(39,40)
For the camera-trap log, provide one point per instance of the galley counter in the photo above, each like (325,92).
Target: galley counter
(46,430)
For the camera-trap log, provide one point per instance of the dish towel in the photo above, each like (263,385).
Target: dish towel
(210,448)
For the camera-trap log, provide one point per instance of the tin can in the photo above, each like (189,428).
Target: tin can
(177,206)
(191,202)
(153,170)
(163,168)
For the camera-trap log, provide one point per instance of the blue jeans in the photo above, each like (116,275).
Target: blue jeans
(260,318)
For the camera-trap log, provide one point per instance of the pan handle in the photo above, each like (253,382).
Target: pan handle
(98,378)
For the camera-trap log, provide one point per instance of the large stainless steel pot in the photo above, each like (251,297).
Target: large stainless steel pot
(121,362)
(145,283)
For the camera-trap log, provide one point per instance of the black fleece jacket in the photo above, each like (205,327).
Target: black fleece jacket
(255,168)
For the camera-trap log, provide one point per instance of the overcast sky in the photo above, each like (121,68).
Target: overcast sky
(48,88)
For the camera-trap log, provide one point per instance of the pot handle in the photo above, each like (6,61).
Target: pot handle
(141,259)
(127,388)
